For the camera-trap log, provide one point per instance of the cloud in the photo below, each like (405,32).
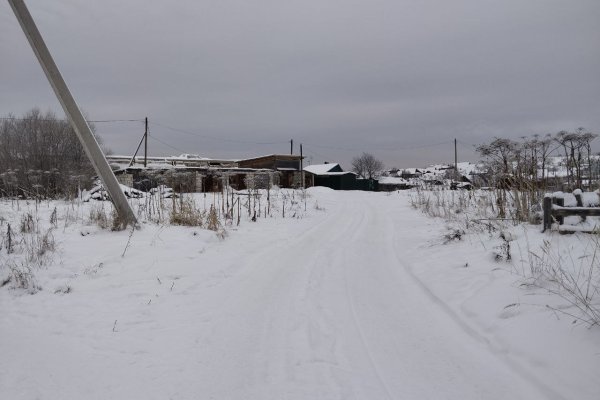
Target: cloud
(380,76)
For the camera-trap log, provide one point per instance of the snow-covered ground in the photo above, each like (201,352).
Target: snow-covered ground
(360,296)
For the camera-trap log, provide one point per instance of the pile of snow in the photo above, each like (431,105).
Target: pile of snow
(99,193)
(164,191)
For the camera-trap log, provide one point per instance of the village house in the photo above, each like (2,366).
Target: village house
(192,173)
(334,177)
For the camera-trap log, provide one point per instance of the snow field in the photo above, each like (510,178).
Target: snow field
(359,298)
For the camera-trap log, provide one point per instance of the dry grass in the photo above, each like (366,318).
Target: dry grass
(573,274)
(574,278)
(187,214)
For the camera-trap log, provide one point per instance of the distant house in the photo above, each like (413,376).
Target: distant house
(322,169)
(334,177)
(392,183)
(461,185)
(192,173)
(394,172)
(409,173)
(288,167)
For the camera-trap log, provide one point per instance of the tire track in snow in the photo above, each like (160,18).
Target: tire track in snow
(323,307)
(329,323)
(357,221)
(357,231)
(318,304)
(295,341)
(500,352)
(248,313)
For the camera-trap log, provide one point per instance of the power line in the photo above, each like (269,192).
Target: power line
(312,152)
(423,146)
(58,119)
(117,120)
(330,147)
(220,139)
(393,149)
(230,140)
(166,144)
(467,144)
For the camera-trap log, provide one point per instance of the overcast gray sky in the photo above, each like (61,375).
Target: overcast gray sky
(399,79)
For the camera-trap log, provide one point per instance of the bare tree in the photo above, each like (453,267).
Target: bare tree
(576,146)
(40,155)
(520,167)
(500,153)
(544,149)
(367,166)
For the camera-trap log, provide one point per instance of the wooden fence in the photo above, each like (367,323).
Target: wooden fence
(555,210)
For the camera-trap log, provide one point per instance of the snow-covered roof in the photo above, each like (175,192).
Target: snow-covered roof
(338,173)
(320,169)
(392,180)
(191,157)
(467,168)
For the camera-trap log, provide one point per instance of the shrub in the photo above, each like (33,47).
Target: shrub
(212,219)
(186,214)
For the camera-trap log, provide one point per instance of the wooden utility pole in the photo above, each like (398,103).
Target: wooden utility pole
(291,146)
(146,143)
(143,140)
(455,161)
(69,105)
(302,167)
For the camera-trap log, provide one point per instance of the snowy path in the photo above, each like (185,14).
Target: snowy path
(325,308)
(342,318)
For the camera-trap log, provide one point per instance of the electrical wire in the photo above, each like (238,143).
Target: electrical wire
(424,145)
(221,139)
(466,144)
(323,157)
(230,140)
(392,149)
(320,146)
(117,120)
(166,144)
(58,119)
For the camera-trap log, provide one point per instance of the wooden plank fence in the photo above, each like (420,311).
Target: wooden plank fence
(555,210)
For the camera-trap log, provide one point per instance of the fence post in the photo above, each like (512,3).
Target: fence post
(579,197)
(547,207)
(559,201)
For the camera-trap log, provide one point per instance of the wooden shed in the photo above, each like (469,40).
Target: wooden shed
(288,167)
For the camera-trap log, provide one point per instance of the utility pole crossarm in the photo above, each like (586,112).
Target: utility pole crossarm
(78,122)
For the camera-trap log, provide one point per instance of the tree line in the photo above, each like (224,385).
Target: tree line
(521,171)
(526,163)
(41,156)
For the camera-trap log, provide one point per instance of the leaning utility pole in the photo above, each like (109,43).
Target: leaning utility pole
(78,122)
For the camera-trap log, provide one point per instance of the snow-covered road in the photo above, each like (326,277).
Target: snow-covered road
(336,314)
(326,307)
